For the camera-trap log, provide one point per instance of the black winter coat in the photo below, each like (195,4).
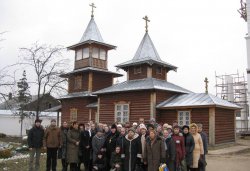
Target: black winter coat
(132,152)
(189,145)
(120,141)
(84,152)
(35,137)
(170,153)
(110,144)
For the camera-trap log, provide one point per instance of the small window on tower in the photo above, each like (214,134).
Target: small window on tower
(78,54)
(85,53)
(78,82)
(159,70)
(95,53)
(102,54)
(137,69)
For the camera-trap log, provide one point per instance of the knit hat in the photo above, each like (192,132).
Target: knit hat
(99,130)
(142,126)
(131,129)
(169,127)
(135,124)
(114,126)
(119,125)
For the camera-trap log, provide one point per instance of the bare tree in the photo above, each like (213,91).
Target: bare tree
(47,63)
(7,83)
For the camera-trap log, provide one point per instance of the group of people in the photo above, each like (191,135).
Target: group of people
(119,147)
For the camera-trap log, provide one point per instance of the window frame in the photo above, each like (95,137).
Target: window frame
(77,80)
(159,69)
(73,115)
(83,57)
(184,117)
(122,112)
(76,55)
(137,69)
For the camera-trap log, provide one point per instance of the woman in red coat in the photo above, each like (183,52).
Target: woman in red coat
(179,146)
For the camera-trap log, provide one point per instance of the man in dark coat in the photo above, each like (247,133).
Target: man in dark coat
(189,145)
(132,151)
(170,150)
(110,144)
(121,138)
(63,149)
(35,143)
(85,148)
(205,144)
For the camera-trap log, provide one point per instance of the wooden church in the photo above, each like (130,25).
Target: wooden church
(146,93)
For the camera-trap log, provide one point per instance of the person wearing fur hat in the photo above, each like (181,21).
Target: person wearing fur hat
(132,151)
(35,143)
(154,151)
(198,151)
(189,145)
(110,143)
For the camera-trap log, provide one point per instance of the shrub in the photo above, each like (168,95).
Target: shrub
(5,153)
(2,135)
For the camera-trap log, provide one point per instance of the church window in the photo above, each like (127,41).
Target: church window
(102,54)
(73,114)
(95,53)
(78,82)
(85,52)
(184,118)
(122,112)
(137,69)
(79,54)
(159,70)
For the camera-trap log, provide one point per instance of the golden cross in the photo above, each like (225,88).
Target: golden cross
(206,85)
(93,6)
(147,20)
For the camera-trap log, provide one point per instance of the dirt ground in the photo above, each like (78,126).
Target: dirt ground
(232,162)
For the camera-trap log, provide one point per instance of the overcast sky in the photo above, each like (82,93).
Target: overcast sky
(199,37)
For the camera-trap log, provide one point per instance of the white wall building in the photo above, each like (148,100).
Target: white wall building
(10,124)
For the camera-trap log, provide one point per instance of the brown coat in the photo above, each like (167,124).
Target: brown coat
(154,154)
(73,149)
(52,137)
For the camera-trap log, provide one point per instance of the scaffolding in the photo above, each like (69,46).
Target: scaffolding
(233,88)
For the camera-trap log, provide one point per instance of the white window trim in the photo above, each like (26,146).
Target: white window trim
(184,111)
(122,104)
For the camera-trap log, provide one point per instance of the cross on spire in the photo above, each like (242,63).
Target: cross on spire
(92,11)
(147,20)
(206,85)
